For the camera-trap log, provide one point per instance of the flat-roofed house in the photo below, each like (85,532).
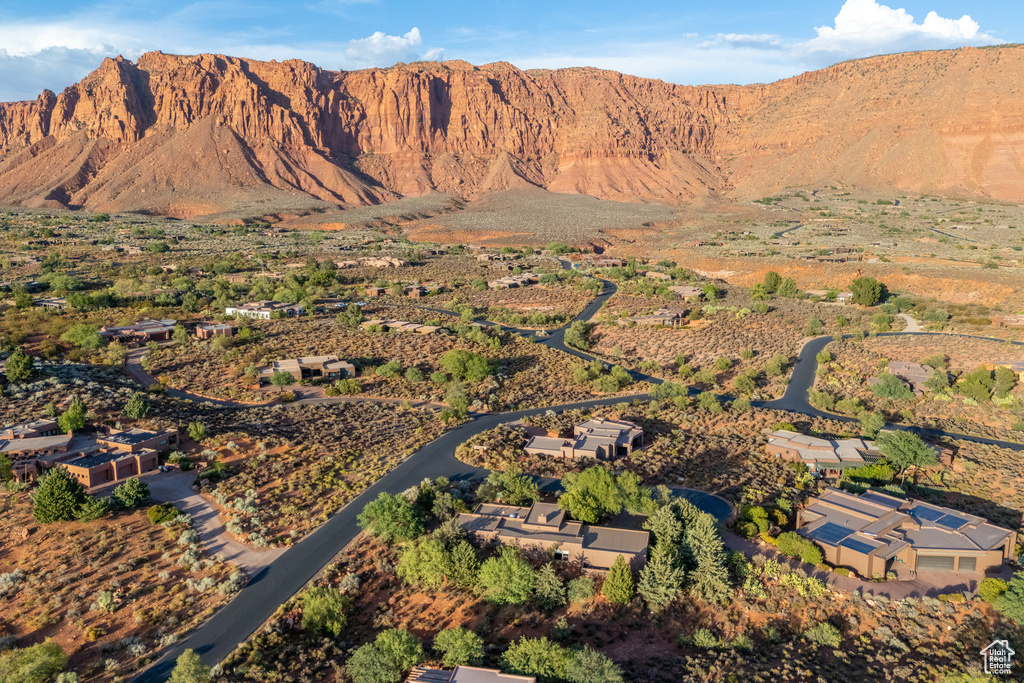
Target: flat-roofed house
(374,292)
(688,292)
(211,330)
(545,526)
(415,291)
(464,674)
(54,303)
(144,331)
(662,317)
(875,533)
(828,457)
(310,367)
(1012,321)
(655,275)
(265,310)
(514,281)
(399,325)
(598,438)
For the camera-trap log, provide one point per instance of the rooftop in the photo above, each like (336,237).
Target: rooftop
(129,437)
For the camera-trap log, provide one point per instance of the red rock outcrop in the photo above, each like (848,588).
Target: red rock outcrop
(186,135)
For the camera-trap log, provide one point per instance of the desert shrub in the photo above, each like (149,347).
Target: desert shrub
(36,664)
(989,589)
(389,369)
(823,634)
(1010,603)
(704,639)
(792,544)
(891,386)
(877,472)
(709,402)
(162,512)
(323,611)
(580,589)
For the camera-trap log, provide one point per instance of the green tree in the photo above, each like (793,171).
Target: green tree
(157,247)
(536,657)
(424,564)
(867,291)
(665,526)
(132,494)
(507,578)
(464,565)
(514,487)
(190,669)
(772,281)
(57,498)
(709,579)
(72,419)
(282,379)
(6,468)
(323,612)
(83,336)
(870,423)
(459,647)
(549,592)
(787,288)
(590,495)
(19,367)
(1010,603)
(386,658)
(590,666)
(576,335)
(1005,379)
(391,517)
(891,386)
(38,663)
(904,450)
(137,407)
(94,507)
(618,584)
(466,365)
(938,381)
(661,579)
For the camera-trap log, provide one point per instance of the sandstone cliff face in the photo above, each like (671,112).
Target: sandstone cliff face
(194,134)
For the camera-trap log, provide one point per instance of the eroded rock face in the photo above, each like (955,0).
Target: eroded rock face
(195,134)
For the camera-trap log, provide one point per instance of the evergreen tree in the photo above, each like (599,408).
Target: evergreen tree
(590,666)
(132,494)
(665,526)
(72,419)
(464,565)
(18,367)
(787,288)
(710,577)
(424,564)
(772,281)
(137,407)
(190,669)
(391,517)
(34,664)
(58,497)
(661,579)
(549,592)
(618,584)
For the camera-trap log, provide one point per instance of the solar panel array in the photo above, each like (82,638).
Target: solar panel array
(829,533)
(927,513)
(859,546)
(951,521)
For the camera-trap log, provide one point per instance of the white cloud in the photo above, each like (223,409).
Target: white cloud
(25,76)
(866,27)
(381,49)
(760,40)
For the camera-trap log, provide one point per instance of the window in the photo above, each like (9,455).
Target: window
(968,564)
(562,555)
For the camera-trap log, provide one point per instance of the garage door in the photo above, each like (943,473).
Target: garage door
(935,563)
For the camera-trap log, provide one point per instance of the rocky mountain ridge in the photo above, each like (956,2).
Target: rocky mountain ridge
(189,135)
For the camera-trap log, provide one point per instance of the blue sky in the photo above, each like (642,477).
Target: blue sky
(52,45)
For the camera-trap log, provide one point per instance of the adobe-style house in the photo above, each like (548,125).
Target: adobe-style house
(662,317)
(399,325)
(310,367)
(211,330)
(874,533)
(608,263)
(415,292)
(545,526)
(37,446)
(827,457)
(687,292)
(464,674)
(144,331)
(383,262)
(54,303)
(265,310)
(1012,321)
(599,439)
(656,275)
(514,281)
(374,292)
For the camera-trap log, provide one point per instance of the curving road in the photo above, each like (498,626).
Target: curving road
(279,581)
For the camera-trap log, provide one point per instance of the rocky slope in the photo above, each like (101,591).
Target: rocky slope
(187,135)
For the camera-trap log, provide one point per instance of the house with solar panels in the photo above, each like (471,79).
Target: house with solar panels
(874,534)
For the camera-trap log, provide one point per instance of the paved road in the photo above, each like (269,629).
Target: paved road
(276,583)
